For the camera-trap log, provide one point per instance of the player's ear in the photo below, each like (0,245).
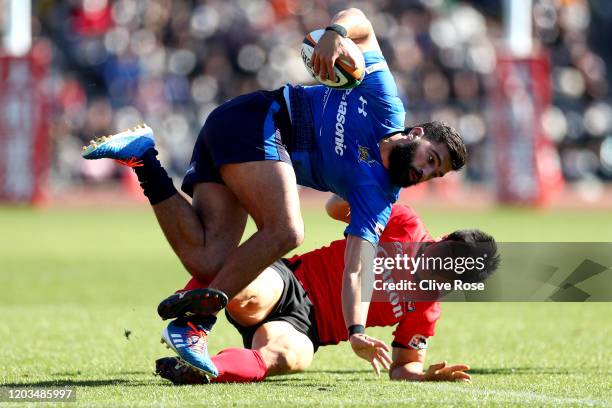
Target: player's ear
(417,132)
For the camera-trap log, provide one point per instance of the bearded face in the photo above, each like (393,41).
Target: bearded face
(402,170)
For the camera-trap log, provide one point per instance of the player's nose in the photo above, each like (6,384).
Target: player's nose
(428,172)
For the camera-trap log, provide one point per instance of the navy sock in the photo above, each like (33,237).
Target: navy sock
(154,180)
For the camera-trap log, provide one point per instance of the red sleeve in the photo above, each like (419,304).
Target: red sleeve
(416,326)
(404,226)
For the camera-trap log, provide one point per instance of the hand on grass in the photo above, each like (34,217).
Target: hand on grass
(443,372)
(372,350)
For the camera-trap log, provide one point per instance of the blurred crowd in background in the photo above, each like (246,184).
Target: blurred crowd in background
(170,63)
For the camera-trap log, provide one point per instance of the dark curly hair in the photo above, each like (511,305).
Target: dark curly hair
(439,132)
(476,243)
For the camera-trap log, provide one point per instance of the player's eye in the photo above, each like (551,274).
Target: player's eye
(431,159)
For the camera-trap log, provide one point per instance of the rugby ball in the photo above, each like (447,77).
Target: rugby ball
(347,75)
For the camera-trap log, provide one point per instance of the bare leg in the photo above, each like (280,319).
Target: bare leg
(283,349)
(202,235)
(255,302)
(268,192)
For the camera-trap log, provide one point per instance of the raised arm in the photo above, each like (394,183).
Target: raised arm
(408,366)
(331,45)
(358,28)
(358,261)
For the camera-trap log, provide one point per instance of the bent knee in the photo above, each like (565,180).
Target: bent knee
(294,362)
(200,267)
(292,237)
(246,310)
(285,360)
(288,238)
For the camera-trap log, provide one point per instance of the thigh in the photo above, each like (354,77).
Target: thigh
(222,216)
(255,302)
(267,190)
(284,349)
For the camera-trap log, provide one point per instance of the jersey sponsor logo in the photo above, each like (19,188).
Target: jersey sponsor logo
(395,299)
(340,120)
(418,342)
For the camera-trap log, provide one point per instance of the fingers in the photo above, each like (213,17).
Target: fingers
(326,70)
(454,373)
(458,367)
(315,62)
(319,64)
(331,72)
(349,58)
(323,67)
(379,343)
(437,366)
(376,367)
(461,376)
(384,359)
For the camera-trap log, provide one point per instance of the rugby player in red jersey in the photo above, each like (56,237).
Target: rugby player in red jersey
(295,306)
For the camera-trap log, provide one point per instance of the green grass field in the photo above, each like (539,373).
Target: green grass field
(72,281)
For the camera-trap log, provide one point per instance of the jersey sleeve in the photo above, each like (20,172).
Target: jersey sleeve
(370,211)
(404,226)
(417,326)
(386,110)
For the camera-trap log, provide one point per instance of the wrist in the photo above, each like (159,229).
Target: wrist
(402,373)
(338,29)
(356,329)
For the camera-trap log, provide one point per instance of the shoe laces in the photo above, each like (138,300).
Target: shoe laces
(197,338)
(131,162)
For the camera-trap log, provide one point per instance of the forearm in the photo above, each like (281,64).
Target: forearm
(354,310)
(356,23)
(407,372)
(358,261)
(408,366)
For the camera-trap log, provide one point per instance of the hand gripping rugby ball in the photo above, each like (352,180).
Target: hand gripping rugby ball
(347,75)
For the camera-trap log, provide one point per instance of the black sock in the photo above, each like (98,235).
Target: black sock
(153,178)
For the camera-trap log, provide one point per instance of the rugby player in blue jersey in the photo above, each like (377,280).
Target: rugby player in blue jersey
(248,159)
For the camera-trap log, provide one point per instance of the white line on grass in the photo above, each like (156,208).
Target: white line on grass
(523,395)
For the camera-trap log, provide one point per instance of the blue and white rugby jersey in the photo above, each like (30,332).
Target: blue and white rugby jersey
(337,147)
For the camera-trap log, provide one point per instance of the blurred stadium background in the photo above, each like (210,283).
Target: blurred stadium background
(98,66)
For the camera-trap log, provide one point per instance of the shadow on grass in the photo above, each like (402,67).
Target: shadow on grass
(519,371)
(339,371)
(79,373)
(304,379)
(80,383)
(67,374)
